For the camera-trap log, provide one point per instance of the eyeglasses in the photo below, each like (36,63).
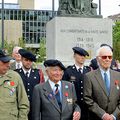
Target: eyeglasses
(105,57)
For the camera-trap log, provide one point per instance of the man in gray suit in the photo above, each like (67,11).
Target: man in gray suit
(102,88)
(16,64)
(55,99)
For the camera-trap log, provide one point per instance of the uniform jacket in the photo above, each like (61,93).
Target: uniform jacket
(30,82)
(45,106)
(14,104)
(96,97)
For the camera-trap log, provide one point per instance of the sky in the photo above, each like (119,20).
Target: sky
(108,7)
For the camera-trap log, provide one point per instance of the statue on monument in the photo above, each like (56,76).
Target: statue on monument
(77,8)
(66,7)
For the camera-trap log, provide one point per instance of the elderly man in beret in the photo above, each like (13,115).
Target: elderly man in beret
(55,99)
(75,74)
(14,104)
(30,76)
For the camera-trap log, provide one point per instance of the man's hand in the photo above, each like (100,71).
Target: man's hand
(76,116)
(107,117)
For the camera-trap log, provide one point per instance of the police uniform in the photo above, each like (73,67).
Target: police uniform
(76,76)
(30,80)
(14,104)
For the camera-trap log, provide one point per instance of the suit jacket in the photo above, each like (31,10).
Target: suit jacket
(13,66)
(95,94)
(45,106)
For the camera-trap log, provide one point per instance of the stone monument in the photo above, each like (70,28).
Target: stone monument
(77,25)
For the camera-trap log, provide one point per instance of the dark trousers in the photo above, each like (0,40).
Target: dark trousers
(84,111)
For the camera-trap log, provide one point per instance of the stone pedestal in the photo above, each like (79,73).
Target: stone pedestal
(63,33)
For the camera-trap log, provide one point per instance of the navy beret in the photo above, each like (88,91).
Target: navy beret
(4,57)
(53,63)
(80,51)
(27,54)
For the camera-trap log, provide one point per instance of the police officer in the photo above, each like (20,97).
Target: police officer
(14,104)
(30,76)
(75,74)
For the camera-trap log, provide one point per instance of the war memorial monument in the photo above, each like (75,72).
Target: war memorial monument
(77,24)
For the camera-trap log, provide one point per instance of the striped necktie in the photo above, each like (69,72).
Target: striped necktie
(57,95)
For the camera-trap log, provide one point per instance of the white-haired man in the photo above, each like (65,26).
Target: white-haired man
(17,64)
(102,88)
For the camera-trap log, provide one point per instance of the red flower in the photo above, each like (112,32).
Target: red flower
(116,82)
(12,83)
(66,94)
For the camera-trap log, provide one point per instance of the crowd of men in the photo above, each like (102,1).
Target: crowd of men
(76,92)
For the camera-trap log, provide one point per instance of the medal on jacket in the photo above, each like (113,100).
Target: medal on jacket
(12,91)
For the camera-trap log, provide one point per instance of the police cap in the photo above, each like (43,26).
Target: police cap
(27,54)
(4,57)
(53,63)
(80,51)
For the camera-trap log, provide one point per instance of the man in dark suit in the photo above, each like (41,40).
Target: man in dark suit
(55,99)
(30,76)
(75,74)
(102,88)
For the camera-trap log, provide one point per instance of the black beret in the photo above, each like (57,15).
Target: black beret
(27,54)
(80,51)
(4,57)
(53,63)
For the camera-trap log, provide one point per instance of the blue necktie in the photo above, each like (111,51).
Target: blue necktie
(57,95)
(107,83)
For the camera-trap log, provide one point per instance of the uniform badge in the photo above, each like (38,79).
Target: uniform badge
(12,91)
(70,100)
(66,86)
(50,96)
(34,77)
(12,83)
(66,94)
(117,84)
(72,78)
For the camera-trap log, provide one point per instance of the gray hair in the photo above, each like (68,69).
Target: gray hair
(16,48)
(103,48)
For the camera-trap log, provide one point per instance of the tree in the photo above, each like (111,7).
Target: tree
(41,54)
(8,47)
(116,40)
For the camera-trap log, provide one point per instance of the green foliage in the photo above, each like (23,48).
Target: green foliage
(8,47)
(116,40)
(41,53)
(21,42)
